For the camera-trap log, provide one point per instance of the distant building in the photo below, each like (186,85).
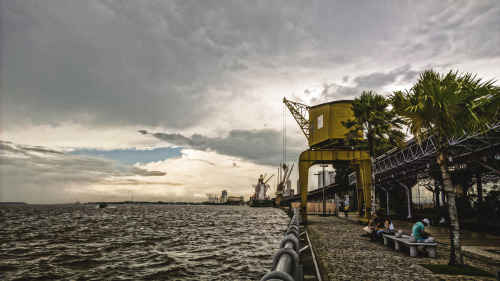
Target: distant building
(288,190)
(235,199)
(223,197)
(329,178)
(331,175)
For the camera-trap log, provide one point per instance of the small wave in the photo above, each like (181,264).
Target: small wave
(170,274)
(65,258)
(165,263)
(140,242)
(19,251)
(206,258)
(82,264)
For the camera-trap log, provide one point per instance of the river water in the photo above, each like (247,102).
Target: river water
(138,242)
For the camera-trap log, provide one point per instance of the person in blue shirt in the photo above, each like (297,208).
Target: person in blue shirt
(418,230)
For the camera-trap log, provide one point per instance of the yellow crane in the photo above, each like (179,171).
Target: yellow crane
(322,126)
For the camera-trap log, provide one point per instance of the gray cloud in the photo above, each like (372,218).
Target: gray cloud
(459,30)
(259,146)
(146,173)
(113,63)
(138,182)
(43,175)
(377,80)
(181,65)
(237,66)
(161,63)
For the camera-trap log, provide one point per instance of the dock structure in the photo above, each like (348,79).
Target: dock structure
(399,168)
(477,150)
(477,155)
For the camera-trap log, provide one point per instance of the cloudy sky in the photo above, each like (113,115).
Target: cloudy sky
(170,100)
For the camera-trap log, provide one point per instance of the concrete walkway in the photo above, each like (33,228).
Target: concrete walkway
(473,243)
(346,255)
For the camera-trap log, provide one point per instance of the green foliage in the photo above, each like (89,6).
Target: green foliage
(464,207)
(373,117)
(447,105)
(342,171)
(398,206)
(490,210)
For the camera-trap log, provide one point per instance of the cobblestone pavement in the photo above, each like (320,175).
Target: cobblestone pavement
(346,255)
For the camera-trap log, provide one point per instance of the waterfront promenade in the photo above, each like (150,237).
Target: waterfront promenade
(344,254)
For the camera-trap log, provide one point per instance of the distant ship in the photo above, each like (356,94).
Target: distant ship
(260,197)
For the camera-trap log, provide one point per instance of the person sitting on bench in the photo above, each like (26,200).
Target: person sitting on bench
(374,225)
(418,230)
(387,228)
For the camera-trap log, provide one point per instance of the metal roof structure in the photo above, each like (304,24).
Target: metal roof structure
(480,150)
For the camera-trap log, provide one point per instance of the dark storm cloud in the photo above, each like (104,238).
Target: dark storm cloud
(377,80)
(458,31)
(165,63)
(263,146)
(466,29)
(125,62)
(237,66)
(98,62)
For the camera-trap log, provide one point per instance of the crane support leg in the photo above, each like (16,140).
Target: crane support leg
(359,159)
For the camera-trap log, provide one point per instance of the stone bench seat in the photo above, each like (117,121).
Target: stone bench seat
(405,239)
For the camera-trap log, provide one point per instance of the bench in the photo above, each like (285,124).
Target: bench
(405,239)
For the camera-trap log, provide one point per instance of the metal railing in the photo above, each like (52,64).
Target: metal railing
(286,259)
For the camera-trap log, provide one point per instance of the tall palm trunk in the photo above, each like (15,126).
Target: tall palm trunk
(373,209)
(371,145)
(456,257)
(438,192)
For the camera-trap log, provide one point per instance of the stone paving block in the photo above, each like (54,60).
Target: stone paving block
(346,255)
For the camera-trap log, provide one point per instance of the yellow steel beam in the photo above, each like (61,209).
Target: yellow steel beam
(360,160)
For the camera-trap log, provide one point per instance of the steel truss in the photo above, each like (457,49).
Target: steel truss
(301,114)
(406,164)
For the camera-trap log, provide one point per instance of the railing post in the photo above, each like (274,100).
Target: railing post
(286,260)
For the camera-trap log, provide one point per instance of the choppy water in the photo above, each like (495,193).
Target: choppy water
(134,242)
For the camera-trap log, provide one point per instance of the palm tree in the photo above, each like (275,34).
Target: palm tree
(373,117)
(441,107)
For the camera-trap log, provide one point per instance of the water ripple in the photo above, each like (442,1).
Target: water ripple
(132,242)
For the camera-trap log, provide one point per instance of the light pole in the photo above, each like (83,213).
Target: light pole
(324,201)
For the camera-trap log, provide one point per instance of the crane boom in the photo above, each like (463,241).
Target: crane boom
(301,114)
(268,179)
(288,175)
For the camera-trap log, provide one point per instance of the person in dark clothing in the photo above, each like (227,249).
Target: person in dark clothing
(374,224)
